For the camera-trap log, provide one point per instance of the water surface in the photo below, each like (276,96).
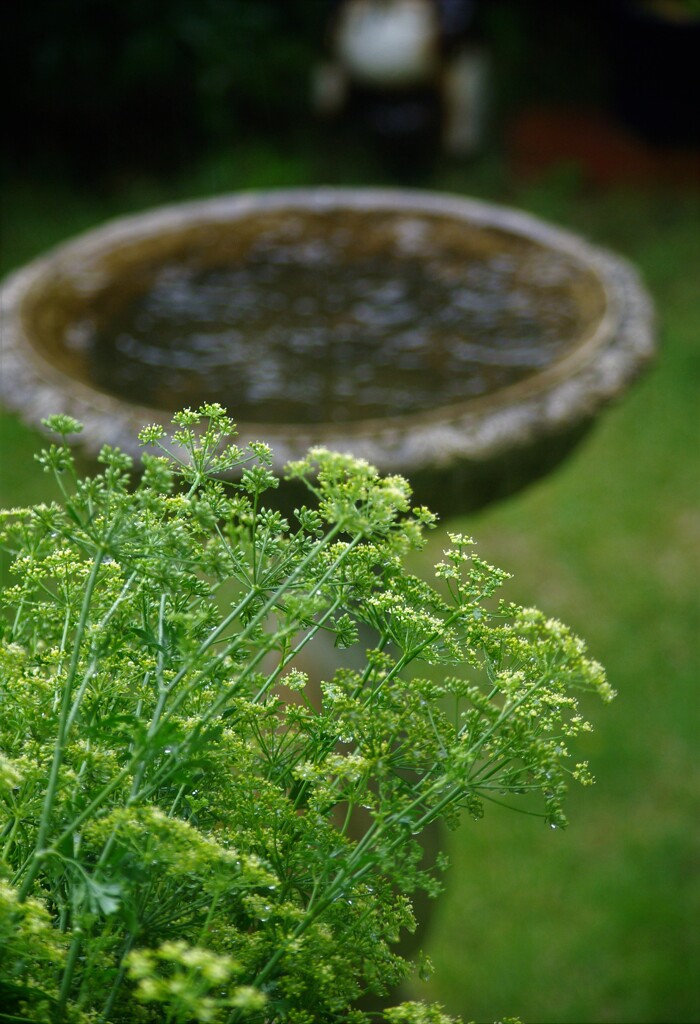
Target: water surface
(303,325)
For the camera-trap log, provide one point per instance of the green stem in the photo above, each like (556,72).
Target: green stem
(9,835)
(291,655)
(94,804)
(62,651)
(52,787)
(92,667)
(260,617)
(68,973)
(107,1009)
(376,829)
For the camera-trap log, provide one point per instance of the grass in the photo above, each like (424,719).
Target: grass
(598,923)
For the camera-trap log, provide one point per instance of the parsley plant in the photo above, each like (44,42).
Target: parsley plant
(191,828)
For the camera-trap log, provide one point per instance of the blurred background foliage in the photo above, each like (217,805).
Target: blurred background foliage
(115,107)
(93,83)
(101,80)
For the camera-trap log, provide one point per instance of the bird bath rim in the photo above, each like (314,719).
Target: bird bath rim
(566,392)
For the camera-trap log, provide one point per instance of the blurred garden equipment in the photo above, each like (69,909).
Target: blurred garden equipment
(407,70)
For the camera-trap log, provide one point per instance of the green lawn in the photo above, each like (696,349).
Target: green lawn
(598,923)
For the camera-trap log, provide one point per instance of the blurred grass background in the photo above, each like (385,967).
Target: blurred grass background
(598,923)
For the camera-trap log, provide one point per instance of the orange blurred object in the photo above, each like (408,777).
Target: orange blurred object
(606,153)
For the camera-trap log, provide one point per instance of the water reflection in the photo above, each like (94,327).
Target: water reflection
(304,330)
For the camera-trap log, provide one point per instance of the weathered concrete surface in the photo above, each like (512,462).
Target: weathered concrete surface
(458,456)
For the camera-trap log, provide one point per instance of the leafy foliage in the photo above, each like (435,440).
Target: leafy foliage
(195,829)
(188,74)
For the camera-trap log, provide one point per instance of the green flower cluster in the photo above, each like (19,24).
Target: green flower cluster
(194,828)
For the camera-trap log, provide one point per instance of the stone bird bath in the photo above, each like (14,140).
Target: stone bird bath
(462,344)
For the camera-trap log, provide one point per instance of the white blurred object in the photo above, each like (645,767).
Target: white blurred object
(388,43)
(409,62)
(465,96)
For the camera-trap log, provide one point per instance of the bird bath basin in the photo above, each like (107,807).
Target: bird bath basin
(462,344)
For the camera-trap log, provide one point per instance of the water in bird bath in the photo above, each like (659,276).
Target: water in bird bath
(332,319)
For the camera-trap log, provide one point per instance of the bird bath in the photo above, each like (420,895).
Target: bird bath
(463,344)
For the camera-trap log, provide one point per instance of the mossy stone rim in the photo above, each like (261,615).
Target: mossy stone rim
(558,399)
